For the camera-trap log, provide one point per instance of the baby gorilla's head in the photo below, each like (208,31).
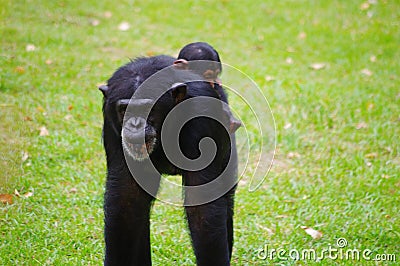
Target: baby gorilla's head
(209,69)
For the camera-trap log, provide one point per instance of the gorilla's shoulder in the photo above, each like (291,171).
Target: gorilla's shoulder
(128,78)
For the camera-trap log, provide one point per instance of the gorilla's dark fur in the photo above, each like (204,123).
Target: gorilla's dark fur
(127,206)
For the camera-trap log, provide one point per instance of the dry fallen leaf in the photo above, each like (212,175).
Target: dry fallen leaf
(40,109)
(20,69)
(28,194)
(43,131)
(312,232)
(70,107)
(287,126)
(366,72)
(371,155)
(388,149)
(16,193)
(302,35)
(269,230)
(95,22)
(124,26)
(361,125)
(269,78)
(30,48)
(150,53)
(25,156)
(6,198)
(364,6)
(292,155)
(318,66)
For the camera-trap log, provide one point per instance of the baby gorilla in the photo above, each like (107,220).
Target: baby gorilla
(209,69)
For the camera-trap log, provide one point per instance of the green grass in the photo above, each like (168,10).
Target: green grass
(328,174)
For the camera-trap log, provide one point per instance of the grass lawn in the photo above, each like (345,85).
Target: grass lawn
(337,162)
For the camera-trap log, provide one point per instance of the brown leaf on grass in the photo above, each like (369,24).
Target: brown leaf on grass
(318,66)
(124,26)
(287,126)
(70,107)
(43,131)
(302,35)
(312,232)
(364,6)
(25,156)
(20,70)
(269,78)
(40,109)
(6,198)
(371,155)
(289,201)
(388,149)
(150,53)
(30,48)
(268,230)
(28,194)
(361,125)
(292,155)
(366,72)
(95,22)
(28,118)
(16,193)
(372,58)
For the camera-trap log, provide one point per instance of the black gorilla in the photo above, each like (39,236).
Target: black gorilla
(127,204)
